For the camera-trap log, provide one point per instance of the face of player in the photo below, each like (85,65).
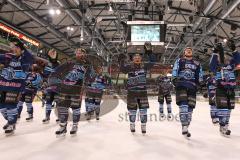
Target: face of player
(80,54)
(137,59)
(52,54)
(188,53)
(99,70)
(16,50)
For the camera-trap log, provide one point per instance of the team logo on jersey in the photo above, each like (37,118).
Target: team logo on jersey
(188,74)
(190,66)
(15,64)
(74,75)
(8,73)
(139,72)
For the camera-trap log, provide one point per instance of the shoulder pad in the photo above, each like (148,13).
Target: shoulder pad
(9,55)
(181,59)
(196,62)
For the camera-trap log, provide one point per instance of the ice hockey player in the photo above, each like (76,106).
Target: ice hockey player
(50,90)
(211,90)
(14,69)
(70,91)
(164,93)
(224,71)
(137,97)
(33,84)
(94,93)
(187,76)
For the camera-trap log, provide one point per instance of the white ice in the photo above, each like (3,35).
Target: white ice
(110,138)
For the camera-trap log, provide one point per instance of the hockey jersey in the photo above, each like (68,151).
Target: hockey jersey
(33,82)
(14,72)
(164,85)
(236,58)
(137,80)
(211,86)
(48,70)
(188,73)
(224,73)
(72,76)
(98,85)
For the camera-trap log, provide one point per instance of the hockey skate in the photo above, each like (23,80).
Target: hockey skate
(88,116)
(29,118)
(185,132)
(215,121)
(5,126)
(57,121)
(61,132)
(225,131)
(132,127)
(170,117)
(10,130)
(162,116)
(74,129)
(143,128)
(97,117)
(46,120)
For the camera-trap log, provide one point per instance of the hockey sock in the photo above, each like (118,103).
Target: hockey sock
(143,115)
(169,108)
(160,107)
(97,110)
(63,114)
(76,115)
(223,115)
(48,109)
(12,114)
(29,108)
(228,116)
(89,105)
(20,107)
(213,111)
(190,111)
(132,115)
(183,113)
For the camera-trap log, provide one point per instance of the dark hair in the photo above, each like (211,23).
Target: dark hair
(17,42)
(82,50)
(187,48)
(36,68)
(137,54)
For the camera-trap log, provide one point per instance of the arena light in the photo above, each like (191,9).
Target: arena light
(52,11)
(58,11)
(70,28)
(81,38)
(81,35)
(110,8)
(225,40)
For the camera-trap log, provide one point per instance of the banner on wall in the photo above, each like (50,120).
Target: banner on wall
(19,35)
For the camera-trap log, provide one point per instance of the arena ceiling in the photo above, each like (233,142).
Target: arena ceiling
(190,23)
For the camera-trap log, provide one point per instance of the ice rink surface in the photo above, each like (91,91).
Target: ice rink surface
(110,138)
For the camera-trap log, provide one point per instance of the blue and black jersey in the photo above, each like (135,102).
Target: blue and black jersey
(224,73)
(137,80)
(14,72)
(188,73)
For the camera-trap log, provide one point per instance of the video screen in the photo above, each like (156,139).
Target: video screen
(142,33)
